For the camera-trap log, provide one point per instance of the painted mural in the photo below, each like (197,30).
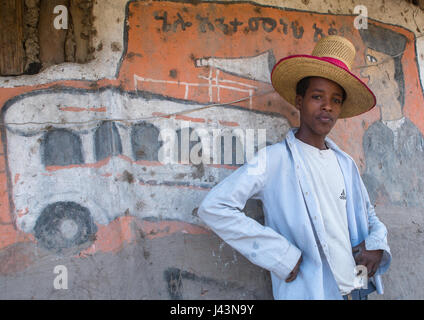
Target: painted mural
(393,146)
(80,157)
(54,168)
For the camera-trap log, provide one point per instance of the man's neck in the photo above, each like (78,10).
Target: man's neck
(313,140)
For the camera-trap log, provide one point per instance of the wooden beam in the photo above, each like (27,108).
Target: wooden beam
(52,40)
(11,37)
(80,18)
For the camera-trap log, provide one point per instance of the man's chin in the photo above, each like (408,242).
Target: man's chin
(323,130)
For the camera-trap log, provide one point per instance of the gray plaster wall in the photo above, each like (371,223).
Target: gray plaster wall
(176,267)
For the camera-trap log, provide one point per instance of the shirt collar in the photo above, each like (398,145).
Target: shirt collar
(292,139)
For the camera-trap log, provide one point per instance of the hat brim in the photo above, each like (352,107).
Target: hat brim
(290,70)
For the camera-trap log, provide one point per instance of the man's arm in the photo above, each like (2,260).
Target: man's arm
(373,252)
(222,208)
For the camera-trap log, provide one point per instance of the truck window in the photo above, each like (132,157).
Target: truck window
(145,141)
(61,147)
(107,141)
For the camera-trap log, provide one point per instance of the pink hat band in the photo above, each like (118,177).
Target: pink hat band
(335,61)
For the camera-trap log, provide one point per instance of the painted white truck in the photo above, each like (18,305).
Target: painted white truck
(78,158)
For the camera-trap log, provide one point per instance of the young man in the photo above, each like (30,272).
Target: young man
(317,211)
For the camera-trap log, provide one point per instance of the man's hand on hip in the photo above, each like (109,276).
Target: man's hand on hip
(369,258)
(295,271)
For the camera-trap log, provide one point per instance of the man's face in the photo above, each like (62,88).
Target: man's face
(320,107)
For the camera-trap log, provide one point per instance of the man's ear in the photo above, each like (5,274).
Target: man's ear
(298,102)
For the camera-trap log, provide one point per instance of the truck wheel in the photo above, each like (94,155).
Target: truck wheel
(63,225)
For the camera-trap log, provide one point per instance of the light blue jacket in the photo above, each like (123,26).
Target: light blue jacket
(293,221)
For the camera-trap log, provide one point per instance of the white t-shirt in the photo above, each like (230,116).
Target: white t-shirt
(328,182)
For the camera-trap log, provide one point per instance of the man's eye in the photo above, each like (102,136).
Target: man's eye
(316,97)
(338,101)
(371,58)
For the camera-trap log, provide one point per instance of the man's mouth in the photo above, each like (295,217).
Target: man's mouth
(325,118)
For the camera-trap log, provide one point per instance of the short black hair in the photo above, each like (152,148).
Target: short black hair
(303,85)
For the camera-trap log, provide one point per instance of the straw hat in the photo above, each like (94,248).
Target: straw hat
(332,58)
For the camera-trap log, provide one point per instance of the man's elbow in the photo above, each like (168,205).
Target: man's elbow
(204,211)
(211,210)
(201,211)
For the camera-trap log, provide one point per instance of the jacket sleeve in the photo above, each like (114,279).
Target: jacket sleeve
(222,209)
(377,236)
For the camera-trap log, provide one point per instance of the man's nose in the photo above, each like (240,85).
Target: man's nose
(326,105)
